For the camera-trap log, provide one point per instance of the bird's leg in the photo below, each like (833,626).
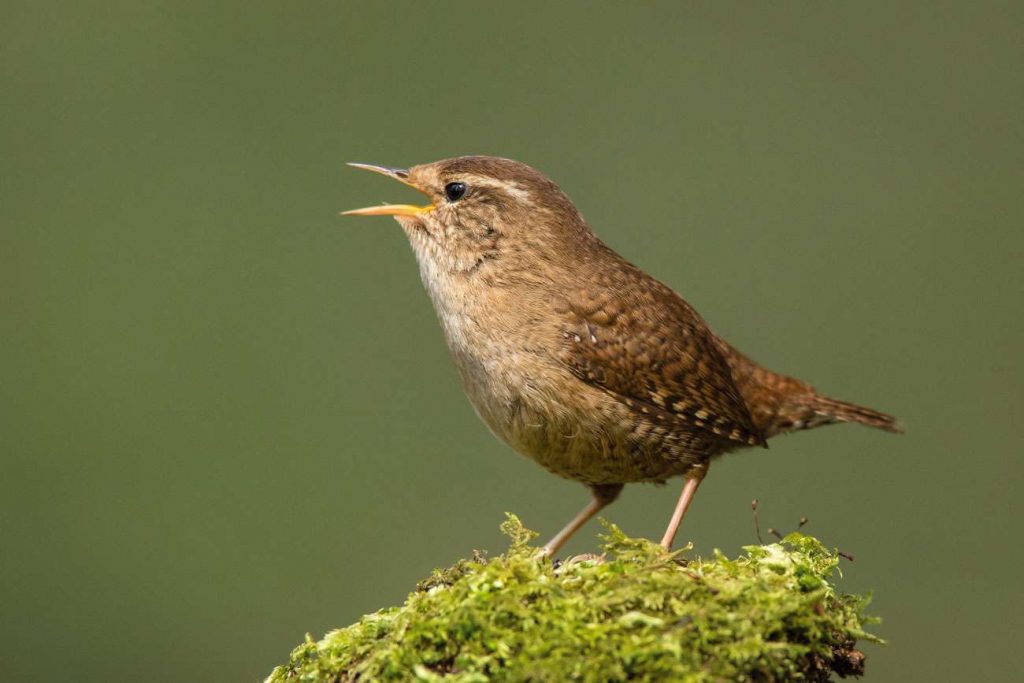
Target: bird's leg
(601,495)
(693,480)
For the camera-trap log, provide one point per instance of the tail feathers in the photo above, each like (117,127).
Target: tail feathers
(809,411)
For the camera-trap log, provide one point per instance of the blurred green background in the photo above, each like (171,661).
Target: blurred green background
(227,415)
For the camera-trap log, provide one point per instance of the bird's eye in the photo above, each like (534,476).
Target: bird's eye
(454,191)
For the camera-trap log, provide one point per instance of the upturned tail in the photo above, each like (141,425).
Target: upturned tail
(780,404)
(811,410)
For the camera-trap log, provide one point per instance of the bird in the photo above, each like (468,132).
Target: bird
(575,357)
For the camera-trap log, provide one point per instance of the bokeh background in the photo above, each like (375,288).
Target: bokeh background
(227,415)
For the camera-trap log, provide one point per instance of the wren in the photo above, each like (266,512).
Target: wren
(573,356)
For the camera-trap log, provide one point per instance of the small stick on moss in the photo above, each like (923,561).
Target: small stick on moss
(757,524)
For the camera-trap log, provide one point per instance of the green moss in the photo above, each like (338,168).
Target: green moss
(640,614)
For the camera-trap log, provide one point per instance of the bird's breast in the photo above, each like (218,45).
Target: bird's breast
(501,340)
(535,405)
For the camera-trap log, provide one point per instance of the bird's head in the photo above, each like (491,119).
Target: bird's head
(481,209)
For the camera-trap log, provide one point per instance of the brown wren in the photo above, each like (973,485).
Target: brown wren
(573,356)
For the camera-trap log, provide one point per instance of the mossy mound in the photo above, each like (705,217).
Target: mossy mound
(638,613)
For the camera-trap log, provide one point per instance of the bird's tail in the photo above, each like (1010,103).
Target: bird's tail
(780,404)
(811,410)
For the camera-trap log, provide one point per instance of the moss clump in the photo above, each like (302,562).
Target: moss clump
(638,614)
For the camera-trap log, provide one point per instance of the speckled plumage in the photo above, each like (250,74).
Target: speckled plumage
(575,357)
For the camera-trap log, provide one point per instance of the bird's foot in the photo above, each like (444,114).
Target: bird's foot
(592,558)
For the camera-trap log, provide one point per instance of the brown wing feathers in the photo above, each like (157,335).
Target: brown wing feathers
(665,368)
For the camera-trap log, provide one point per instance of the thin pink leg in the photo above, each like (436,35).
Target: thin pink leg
(602,495)
(685,498)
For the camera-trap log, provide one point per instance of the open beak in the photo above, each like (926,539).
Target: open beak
(402,176)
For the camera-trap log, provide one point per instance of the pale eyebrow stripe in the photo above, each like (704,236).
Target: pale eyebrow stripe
(512,188)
